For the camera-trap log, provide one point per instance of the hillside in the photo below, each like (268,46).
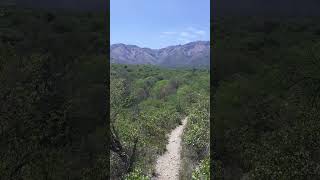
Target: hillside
(147,103)
(193,54)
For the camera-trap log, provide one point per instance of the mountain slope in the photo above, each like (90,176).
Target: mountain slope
(192,54)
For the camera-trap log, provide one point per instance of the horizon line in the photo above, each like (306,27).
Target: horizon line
(159,48)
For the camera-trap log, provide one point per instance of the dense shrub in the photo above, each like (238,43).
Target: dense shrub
(196,137)
(265,117)
(151,116)
(52,105)
(202,172)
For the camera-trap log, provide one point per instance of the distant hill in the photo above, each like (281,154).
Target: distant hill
(193,54)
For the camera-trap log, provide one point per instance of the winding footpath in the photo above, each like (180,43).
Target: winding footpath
(167,167)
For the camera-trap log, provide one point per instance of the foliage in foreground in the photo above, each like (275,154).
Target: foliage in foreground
(202,172)
(146,104)
(196,137)
(136,175)
(52,76)
(267,99)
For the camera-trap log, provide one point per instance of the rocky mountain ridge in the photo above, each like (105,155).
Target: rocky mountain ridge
(191,54)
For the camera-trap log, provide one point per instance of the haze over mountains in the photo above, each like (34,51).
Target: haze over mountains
(193,54)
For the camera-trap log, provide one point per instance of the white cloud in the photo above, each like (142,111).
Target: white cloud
(184,34)
(169,32)
(200,32)
(187,35)
(196,31)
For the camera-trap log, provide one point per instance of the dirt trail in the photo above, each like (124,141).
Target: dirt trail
(167,167)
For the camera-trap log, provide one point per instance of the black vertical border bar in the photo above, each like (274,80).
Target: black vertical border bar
(212,83)
(107,115)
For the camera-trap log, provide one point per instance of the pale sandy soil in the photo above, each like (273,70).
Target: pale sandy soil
(167,166)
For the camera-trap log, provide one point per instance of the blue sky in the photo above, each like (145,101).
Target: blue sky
(159,23)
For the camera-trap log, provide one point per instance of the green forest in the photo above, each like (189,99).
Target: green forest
(53,95)
(266,83)
(54,107)
(54,114)
(146,103)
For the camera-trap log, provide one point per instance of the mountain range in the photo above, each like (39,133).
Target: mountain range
(193,54)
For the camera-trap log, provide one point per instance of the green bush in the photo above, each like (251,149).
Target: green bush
(136,175)
(153,113)
(203,170)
